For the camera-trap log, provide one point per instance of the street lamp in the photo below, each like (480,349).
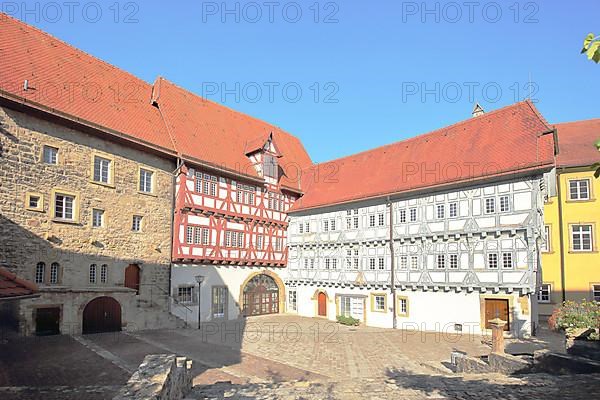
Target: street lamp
(199,279)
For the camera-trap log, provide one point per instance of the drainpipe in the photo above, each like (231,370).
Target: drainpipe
(392,264)
(561,234)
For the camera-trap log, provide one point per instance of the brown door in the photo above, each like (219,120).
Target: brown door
(47,321)
(132,277)
(322,300)
(102,314)
(497,308)
(261,296)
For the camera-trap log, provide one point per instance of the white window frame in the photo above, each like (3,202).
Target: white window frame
(582,236)
(185,294)
(595,292)
(414,215)
(547,239)
(102,171)
(97,218)
(577,185)
(137,222)
(402,217)
(508,260)
(493,261)
(489,205)
(440,211)
(440,261)
(146,180)
(453,210)
(545,291)
(504,201)
(50,155)
(64,208)
(453,261)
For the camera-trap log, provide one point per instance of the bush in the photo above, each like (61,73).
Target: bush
(347,321)
(573,315)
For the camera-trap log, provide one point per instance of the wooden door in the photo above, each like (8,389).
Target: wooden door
(132,277)
(102,314)
(497,308)
(261,296)
(47,321)
(322,300)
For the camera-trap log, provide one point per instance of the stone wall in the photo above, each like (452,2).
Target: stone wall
(159,377)
(28,237)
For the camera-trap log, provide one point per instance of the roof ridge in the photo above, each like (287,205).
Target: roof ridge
(4,16)
(580,121)
(425,135)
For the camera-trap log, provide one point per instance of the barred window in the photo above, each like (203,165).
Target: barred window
(413,215)
(402,216)
(189,235)
(93,273)
(381,263)
(453,261)
(440,261)
(403,262)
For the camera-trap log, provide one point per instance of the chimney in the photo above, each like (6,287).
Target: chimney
(477,110)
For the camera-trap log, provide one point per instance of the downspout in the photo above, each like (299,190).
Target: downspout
(172,227)
(561,234)
(392,264)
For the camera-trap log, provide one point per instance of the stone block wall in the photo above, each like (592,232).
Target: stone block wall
(28,236)
(159,377)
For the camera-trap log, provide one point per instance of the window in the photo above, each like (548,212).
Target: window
(332,224)
(54,273)
(146,177)
(205,236)
(381,219)
(413,215)
(64,206)
(245,194)
(136,223)
(440,261)
(414,262)
(381,263)
(453,210)
(581,237)
(493,261)
(453,261)
(544,294)
(378,302)
(307,227)
(346,306)
(325,226)
(259,242)
(185,294)
(596,292)
(504,204)
(270,166)
(371,220)
(327,263)
(50,155)
(546,244)
(236,239)
(403,306)
(507,260)
(206,184)
(93,273)
(219,301)
(579,189)
(402,216)
(97,218)
(356,222)
(300,228)
(34,202)
(189,235)
(293,300)
(40,272)
(403,262)
(102,169)
(490,205)
(103,273)
(197,235)
(372,264)
(440,211)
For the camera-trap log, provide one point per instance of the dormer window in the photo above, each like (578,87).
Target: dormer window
(270,166)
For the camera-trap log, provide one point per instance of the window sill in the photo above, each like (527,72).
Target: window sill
(379,311)
(151,194)
(583,251)
(591,200)
(38,210)
(65,221)
(108,185)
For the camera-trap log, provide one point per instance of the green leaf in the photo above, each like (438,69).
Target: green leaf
(596,56)
(591,51)
(588,39)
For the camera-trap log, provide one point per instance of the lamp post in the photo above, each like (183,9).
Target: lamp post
(199,279)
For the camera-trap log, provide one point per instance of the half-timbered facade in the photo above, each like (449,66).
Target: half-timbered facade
(233,192)
(462,251)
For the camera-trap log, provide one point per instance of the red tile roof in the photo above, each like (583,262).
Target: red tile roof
(72,82)
(207,131)
(511,139)
(66,80)
(12,287)
(576,142)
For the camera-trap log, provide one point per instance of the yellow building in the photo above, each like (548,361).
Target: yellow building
(570,255)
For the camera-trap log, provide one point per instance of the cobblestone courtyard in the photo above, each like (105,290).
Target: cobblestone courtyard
(273,357)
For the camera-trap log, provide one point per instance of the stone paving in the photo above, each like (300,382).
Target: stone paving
(273,357)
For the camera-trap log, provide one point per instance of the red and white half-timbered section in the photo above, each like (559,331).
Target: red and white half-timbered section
(233,233)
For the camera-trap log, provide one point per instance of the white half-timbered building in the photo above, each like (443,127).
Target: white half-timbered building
(466,224)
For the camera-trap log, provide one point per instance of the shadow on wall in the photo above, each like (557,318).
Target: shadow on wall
(21,250)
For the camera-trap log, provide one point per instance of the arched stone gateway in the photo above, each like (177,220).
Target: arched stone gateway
(261,295)
(103,314)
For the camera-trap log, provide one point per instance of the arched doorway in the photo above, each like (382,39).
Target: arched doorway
(322,303)
(132,277)
(103,314)
(261,296)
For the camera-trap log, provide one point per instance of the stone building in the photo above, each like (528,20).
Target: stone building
(453,218)
(86,188)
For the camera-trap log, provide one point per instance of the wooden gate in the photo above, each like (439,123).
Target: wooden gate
(497,308)
(322,300)
(102,314)
(261,296)
(132,277)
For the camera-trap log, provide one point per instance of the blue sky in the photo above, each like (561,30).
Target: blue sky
(346,76)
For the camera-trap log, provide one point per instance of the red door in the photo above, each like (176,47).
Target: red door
(322,300)
(132,277)
(102,314)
